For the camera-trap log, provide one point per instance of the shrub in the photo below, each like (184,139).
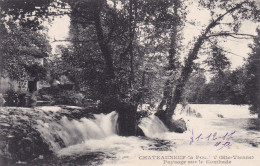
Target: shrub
(60,95)
(11,98)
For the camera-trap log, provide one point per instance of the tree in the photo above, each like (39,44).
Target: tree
(253,73)
(227,88)
(20,50)
(177,20)
(22,44)
(105,59)
(121,87)
(130,51)
(220,10)
(30,13)
(217,61)
(195,87)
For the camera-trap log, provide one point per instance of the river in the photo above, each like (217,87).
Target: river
(216,133)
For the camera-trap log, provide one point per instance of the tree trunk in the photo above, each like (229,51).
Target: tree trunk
(131,36)
(166,116)
(258,80)
(103,46)
(111,96)
(185,73)
(167,90)
(127,125)
(168,87)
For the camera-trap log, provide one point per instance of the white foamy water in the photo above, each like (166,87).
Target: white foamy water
(152,126)
(234,118)
(72,132)
(78,137)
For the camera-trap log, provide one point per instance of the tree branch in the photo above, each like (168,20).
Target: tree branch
(109,35)
(192,55)
(76,41)
(234,35)
(222,49)
(215,22)
(49,14)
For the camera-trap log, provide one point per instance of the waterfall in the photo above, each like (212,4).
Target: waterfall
(59,128)
(70,132)
(152,126)
(65,132)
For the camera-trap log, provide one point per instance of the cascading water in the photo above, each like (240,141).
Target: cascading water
(59,129)
(152,126)
(78,137)
(67,132)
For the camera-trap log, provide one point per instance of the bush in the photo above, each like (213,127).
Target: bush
(69,98)
(16,99)
(11,98)
(60,95)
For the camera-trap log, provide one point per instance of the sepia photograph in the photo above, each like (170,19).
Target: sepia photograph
(129,82)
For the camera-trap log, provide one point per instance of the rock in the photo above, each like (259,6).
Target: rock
(198,115)
(221,116)
(179,126)
(139,132)
(2,100)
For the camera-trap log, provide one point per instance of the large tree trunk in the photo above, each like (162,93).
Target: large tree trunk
(127,119)
(166,116)
(127,124)
(104,47)
(167,94)
(258,80)
(167,99)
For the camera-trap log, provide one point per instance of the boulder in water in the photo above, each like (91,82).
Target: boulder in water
(126,119)
(139,132)
(220,116)
(178,126)
(198,115)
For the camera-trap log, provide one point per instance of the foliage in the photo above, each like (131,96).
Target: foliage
(29,13)
(217,61)
(131,51)
(18,99)
(11,98)
(253,74)
(228,88)
(21,50)
(195,87)
(62,94)
(86,66)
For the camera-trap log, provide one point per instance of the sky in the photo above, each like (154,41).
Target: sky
(59,30)
(238,47)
